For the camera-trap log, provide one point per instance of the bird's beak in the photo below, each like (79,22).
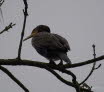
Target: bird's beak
(30,36)
(27,38)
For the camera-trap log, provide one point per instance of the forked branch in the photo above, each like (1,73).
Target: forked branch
(7,27)
(93,67)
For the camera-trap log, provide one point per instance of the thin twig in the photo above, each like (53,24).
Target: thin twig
(97,67)
(69,73)
(23,30)
(84,63)
(63,70)
(1,2)
(8,27)
(76,84)
(58,76)
(13,78)
(1,13)
(93,67)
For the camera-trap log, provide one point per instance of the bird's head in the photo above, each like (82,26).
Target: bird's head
(38,29)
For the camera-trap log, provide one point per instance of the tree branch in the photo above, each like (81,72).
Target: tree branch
(58,76)
(8,27)
(84,63)
(93,67)
(1,2)
(23,30)
(15,62)
(13,78)
(50,68)
(74,84)
(1,13)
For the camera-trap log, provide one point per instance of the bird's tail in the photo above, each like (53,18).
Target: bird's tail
(64,57)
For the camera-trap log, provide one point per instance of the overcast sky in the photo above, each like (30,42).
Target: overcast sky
(81,22)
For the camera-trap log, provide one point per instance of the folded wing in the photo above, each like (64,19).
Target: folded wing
(51,42)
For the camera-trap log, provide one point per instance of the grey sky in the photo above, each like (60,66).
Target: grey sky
(81,22)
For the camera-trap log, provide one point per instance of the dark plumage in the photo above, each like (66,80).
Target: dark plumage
(51,46)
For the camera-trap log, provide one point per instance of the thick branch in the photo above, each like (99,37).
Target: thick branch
(14,78)
(15,62)
(46,66)
(41,64)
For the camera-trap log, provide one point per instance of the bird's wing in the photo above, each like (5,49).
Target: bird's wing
(50,41)
(63,41)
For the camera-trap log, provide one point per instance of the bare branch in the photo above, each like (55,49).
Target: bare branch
(84,63)
(1,13)
(55,67)
(45,66)
(14,78)
(84,85)
(69,73)
(58,76)
(39,64)
(1,2)
(8,27)
(93,68)
(97,67)
(74,84)
(23,30)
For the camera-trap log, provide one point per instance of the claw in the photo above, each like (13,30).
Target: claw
(61,63)
(52,62)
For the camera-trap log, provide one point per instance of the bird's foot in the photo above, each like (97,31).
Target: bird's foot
(61,63)
(69,63)
(52,62)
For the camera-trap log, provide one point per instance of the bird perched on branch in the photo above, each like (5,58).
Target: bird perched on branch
(49,45)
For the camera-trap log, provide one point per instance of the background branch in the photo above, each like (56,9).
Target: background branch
(8,27)
(13,78)
(23,30)
(1,2)
(93,67)
(1,13)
